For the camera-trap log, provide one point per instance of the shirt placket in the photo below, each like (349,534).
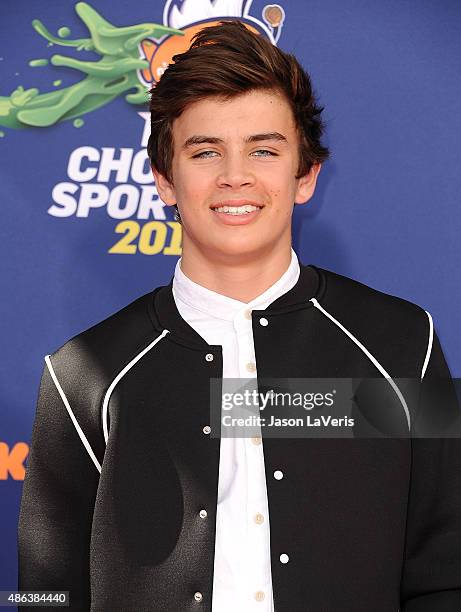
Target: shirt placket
(257,577)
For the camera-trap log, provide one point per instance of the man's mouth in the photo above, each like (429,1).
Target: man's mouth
(243,208)
(236,210)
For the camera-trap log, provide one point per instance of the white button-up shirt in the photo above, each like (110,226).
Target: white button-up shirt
(242,566)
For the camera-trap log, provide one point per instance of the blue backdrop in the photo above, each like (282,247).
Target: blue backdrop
(84,232)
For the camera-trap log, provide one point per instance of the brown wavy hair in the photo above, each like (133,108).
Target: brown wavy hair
(223,61)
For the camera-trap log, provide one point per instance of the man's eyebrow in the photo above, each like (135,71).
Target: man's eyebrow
(199,139)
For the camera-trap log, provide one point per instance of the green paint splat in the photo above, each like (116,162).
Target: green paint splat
(64,32)
(38,62)
(2,134)
(78,123)
(114,74)
(57,83)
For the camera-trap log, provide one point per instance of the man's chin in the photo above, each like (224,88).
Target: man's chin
(238,253)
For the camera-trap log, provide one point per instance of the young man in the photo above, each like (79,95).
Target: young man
(132,501)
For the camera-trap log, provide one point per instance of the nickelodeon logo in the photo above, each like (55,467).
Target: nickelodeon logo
(12,460)
(188,17)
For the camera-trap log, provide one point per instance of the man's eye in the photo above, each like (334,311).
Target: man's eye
(202,154)
(264,151)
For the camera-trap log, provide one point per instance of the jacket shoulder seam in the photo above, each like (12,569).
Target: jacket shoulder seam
(120,375)
(70,412)
(430,341)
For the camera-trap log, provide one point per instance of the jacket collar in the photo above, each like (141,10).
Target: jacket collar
(213,305)
(165,315)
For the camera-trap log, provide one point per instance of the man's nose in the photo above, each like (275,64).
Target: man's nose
(235,171)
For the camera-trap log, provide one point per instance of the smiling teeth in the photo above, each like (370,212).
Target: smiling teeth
(236,210)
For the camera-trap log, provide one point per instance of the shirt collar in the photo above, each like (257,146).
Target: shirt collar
(218,306)
(164,314)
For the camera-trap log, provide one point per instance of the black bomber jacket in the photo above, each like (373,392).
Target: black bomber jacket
(120,464)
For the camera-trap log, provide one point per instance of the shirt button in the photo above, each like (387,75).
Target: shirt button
(284,558)
(198,596)
(259,595)
(256,440)
(248,313)
(209,356)
(263,321)
(278,475)
(251,367)
(206,429)
(203,513)
(259,518)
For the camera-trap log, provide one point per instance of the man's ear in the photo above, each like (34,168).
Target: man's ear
(306,184)
(165,189)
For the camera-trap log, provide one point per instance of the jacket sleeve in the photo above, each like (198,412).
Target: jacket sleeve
(431,576)
(57,503)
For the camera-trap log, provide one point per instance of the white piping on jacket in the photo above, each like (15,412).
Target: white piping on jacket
(83,438)
(119,376)
(429,345)
(370,357)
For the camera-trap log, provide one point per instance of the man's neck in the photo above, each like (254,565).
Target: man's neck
(241,280)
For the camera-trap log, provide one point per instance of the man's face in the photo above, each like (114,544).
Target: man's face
(234,153)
